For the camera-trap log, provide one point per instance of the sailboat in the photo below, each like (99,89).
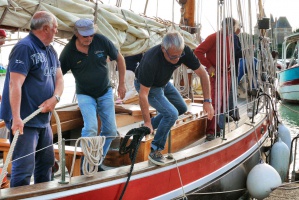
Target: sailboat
(288,77)
(195,168)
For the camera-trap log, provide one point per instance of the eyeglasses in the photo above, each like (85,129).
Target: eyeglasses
(88,36)
(174,57)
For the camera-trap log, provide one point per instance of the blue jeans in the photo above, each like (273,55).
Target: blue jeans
(39,163)
(169,105)
(104,107)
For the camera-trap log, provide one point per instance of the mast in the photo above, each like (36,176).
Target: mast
(261,10)
(188,14)
(261,18)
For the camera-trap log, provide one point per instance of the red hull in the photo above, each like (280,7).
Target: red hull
(161,183)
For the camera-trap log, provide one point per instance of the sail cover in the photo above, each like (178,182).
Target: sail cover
(130,32)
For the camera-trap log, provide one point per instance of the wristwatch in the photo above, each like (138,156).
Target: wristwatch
(57,97)
(207,100)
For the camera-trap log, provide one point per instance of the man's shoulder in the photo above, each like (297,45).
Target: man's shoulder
(153,51)
(100,37)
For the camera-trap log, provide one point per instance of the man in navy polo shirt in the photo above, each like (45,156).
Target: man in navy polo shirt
(86,56)
(33,79)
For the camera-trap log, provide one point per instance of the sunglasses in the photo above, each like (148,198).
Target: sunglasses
(174,57)
(88,36)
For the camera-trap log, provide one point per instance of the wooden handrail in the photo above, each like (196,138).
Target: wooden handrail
(2,124)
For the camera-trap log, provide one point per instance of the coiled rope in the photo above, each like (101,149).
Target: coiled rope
(92,148)
(178,75)
(132,149)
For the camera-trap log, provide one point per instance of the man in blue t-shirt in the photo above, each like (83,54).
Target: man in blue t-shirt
(33,80)
(152,82)
(86,56)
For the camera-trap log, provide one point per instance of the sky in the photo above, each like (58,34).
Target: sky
(208,11)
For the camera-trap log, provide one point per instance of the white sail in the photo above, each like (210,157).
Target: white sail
(130,32)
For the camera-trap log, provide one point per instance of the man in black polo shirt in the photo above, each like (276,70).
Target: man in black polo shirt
(85,55)
(152,83)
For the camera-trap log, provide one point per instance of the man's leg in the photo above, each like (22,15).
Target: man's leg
(106,111)
(23,157)
(173,95)
(44,158)
(167,116)
(88,110)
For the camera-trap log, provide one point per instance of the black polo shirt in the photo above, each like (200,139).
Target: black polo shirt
(155,71)
(90,70)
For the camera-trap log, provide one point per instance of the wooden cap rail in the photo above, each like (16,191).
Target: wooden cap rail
(2,124)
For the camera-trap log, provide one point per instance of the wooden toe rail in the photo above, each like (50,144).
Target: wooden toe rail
(69,153)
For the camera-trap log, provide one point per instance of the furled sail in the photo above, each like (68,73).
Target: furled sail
(130,32)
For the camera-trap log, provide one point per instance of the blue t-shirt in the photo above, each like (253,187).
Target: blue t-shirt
(38,63)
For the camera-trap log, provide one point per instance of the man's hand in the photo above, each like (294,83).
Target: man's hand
(208,108)
(149,125)
(17,124)
(121,91)
(48,105)
(211,71)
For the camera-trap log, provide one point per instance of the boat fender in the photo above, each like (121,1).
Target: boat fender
(284,134)
(261,180)
(279,158)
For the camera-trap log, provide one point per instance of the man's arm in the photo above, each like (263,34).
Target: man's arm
(121,65)
(202,50)
(206,89)
(15,96)
(144,105)
(49,104)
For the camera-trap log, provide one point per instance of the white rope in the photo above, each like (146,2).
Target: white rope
(59,137)
(181,74)
(92,148)
(13,144)
(112,65)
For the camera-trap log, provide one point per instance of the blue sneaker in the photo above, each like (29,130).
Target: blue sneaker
(157,158)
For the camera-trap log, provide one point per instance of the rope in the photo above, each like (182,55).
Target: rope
(59,137)
(178,75)
(132,148)
(92,148)
(284,105)
(180,177)
(35,10)
(13,144)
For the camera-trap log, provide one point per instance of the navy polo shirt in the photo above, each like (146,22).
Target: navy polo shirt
(38,63)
